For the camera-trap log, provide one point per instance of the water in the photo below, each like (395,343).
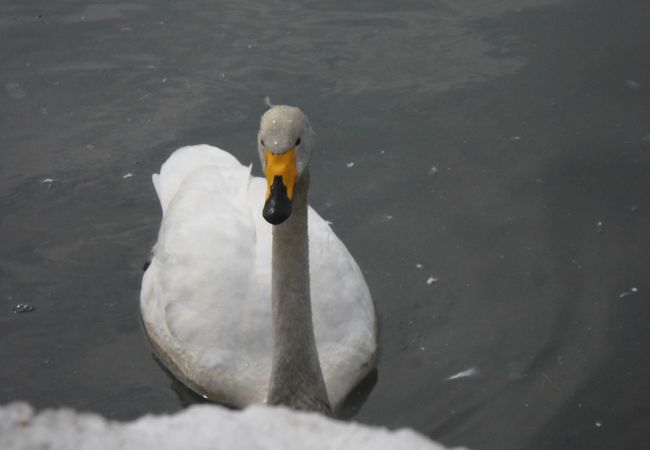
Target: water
(499,148)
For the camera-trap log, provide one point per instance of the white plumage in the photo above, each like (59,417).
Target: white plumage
(206,297)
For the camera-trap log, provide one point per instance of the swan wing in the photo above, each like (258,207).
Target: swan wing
(194,294)
(186,160)
(343,311)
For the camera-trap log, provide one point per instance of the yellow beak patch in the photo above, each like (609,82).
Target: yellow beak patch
(284,166)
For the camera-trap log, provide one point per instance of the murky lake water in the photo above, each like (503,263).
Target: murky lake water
(487,163)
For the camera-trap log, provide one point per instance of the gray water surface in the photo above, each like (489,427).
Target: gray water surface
(487,164)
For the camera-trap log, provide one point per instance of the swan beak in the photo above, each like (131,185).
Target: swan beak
(281,175)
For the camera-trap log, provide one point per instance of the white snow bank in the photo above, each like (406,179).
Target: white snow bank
(198,427)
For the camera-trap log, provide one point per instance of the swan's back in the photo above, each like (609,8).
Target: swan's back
(206,297)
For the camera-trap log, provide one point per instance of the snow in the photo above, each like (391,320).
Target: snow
(198,427)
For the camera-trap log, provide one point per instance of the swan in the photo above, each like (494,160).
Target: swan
(249,296)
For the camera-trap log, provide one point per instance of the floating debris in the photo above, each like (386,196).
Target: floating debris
(432,280)
(516,370)
(515,138)
(433,170)
(598,424)
(471,372)
(419,266)
(15,90)
(128,175)
(550,381)
(23,308)
(633,290)
(633,84)
(350,164)
(47,180)
(599,226)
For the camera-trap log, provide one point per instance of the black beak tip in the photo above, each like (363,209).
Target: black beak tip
(277,207)
(275,216)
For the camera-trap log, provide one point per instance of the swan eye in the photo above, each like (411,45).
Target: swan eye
(297,142)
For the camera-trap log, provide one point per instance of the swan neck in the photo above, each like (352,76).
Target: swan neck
(296,376)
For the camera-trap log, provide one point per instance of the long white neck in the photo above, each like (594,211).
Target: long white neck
(296,377)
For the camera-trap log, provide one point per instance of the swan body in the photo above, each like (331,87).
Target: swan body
(206,296)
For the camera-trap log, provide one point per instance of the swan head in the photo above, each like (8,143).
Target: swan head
(284,143)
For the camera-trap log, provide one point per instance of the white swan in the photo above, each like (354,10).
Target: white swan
(228,299)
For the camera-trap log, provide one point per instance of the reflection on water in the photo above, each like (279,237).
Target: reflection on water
(490,160)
